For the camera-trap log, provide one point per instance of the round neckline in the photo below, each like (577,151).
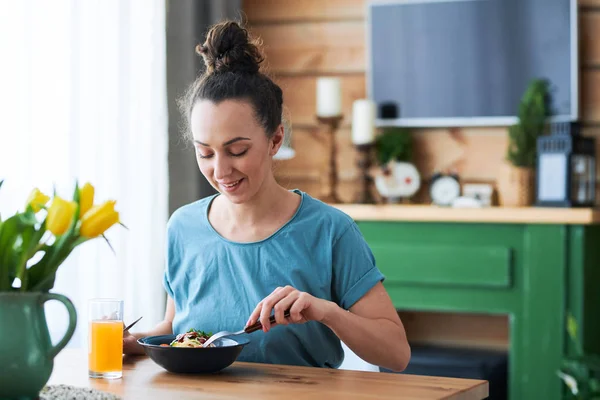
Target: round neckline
(297,191)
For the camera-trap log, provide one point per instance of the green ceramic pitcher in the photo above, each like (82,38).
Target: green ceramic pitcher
(26,351)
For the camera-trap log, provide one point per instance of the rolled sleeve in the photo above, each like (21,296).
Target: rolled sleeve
(354,268)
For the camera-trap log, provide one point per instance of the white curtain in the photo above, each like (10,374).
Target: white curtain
(83,96)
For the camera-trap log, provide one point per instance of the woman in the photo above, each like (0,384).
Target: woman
(257,248)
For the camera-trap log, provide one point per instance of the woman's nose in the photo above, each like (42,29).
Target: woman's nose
(222,167)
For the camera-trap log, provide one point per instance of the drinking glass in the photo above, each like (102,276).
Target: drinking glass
(105,347)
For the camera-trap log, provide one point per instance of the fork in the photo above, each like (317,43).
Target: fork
(249,329)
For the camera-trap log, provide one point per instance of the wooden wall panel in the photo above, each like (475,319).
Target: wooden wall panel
(315,47)
(474,153)
(590,95)
(300,97)
(590,38)
(305,39)
(302,10)
(312,156)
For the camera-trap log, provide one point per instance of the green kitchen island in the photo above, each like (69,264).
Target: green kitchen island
(532,265)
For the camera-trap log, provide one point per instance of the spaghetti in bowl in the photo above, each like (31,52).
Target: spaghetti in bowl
(191,338)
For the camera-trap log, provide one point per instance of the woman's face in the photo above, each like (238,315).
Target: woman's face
(232,149)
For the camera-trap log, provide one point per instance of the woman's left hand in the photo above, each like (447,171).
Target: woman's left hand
(303,307)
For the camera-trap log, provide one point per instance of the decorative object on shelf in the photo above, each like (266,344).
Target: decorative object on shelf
(364,163)
(363,138)
(566,167)
(397,179)
(466,202)
(363,122)
(388,110)
(329,97)
(33,245)
(332,124)
(329,113)
(516,176)
(479,191)
(444,189)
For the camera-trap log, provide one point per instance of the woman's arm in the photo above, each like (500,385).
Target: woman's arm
(165,327)
(371,328)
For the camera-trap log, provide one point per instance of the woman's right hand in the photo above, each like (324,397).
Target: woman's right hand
(130,344)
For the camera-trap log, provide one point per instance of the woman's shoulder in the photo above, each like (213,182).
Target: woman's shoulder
(189,214)
(325,215)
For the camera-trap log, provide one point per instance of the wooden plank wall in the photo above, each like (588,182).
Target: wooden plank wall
(304,39)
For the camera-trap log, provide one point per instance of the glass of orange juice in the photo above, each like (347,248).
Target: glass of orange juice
(105,347)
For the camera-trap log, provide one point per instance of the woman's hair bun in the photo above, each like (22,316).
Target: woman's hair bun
(229,48)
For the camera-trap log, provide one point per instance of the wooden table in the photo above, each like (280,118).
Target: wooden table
(143,379)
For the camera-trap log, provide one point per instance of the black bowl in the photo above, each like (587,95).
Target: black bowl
(189,360)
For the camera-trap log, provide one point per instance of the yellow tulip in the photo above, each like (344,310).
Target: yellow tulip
(98,219)
(86,199)
(60,215)
(37,199)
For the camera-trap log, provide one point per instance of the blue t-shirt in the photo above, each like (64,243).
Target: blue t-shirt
(216,283)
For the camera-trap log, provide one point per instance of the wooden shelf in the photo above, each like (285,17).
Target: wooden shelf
(502,215)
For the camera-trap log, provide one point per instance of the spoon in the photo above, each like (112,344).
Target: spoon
(249,329)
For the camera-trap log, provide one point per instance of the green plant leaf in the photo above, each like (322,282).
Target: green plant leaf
(570,381)
(109,245)
(394,144)
(595,386)
(77,199)
(534,109)
(589,361)
(572,326)
(9,235)
(41,275)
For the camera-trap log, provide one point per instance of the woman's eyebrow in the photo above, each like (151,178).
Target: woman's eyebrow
(227,143)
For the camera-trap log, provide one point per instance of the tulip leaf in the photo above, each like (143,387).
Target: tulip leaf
(109,245)
(10,233)
(77,199)
(41,275)
(30,246)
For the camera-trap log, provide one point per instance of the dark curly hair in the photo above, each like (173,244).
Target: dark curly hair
(233,60)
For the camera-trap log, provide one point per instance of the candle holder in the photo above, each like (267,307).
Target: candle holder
(364,164)
(332,123)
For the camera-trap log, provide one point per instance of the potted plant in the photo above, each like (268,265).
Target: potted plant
(580,372)
(516,177)
(394,144)
(397,177)
(34,242)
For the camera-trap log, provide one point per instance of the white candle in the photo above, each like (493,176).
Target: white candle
(329,97)
(363,121)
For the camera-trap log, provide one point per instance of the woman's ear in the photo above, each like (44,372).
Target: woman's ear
(277,140)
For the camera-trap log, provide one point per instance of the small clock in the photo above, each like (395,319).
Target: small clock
(444,189)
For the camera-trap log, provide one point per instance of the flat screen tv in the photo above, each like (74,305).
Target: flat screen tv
(449,63)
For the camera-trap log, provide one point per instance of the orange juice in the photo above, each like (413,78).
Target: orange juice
(106,346)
